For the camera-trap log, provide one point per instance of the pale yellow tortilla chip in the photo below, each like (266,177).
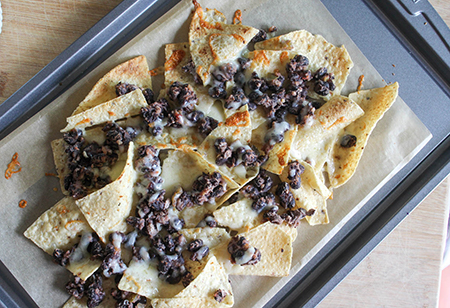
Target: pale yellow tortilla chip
(313,143)
(213,42)
(118,108)
(107,208)
(279,154)
(213,277)
(142,278)
(276,252)
(236,127)
(239,216)
(61,227)
(61,161)
(191,302)
(312,194)
(211,237)
(319,52)
(134,71)
(375,103)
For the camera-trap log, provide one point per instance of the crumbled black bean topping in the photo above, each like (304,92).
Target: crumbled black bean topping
(245,155)
(149,95)
(224,152)
(94,291)
(206,125)
(190,68)
(273,216)
(208,187)
(237,248)
(112,263)
(275,134)
(126,299)
(116,136)
(263,182)
(195,116)
(95,247)
(324,82)
(195,245)
(257,84)
(76,288)
(293,217)
(287,199)
(175,119)
(348,141)
(306,113)
(218,91)
(261,36)
(62,257)
(182,199)
(236,99)
(148,161)
(297,64)
(220,295)
(263,201)
(295,170)
(155,111)
(276,82)
(183,94)
(200,253)
(224,72)
(74,137)
(187,279)
(170,261)
(124,88)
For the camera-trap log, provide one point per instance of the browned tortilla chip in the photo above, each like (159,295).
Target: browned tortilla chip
(114,201)
(134,71)
(319,52)
(61,227)
(276,252)
(118,108)
(213,42)
(313,142)
(375,103)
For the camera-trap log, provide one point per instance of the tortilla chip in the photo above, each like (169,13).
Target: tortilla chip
(319,52)
(279,154)
(134,71)
(177,56)
(213,277)
(142,278)
(192,302)
(118,108)
(61,227)
(313,143)
(236,127)
(375,103)
(61,161)
(239,216)
(276,252)
(213,42)
(312,194)
(211,237)
(113,201)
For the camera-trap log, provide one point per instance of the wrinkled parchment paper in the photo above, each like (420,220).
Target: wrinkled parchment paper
(396,139)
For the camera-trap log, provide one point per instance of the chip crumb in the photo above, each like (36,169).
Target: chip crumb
(55,189)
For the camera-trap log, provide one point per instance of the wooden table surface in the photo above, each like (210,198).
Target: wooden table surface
(403,271)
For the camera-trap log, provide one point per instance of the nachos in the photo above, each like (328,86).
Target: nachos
(168,195)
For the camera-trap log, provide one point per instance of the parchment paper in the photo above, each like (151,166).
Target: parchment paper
(396,139)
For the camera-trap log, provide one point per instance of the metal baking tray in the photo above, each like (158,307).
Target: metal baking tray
(408,33)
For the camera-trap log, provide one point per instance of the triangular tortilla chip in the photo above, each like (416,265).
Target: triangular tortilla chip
(61,227)
(213,42)
(238,216)
(276,252)
(118,108)
(191,302)
(142,278)
(313,143)
(375,103)
(312,194)
(113,201)
(319,52)
(236,127)
(213,277)
(211,237)
(279,154)
(134,71)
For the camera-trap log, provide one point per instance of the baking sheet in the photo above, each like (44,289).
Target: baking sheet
(395,140)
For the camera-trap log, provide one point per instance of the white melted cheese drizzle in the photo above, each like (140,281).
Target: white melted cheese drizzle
(276,130)
(81,251)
